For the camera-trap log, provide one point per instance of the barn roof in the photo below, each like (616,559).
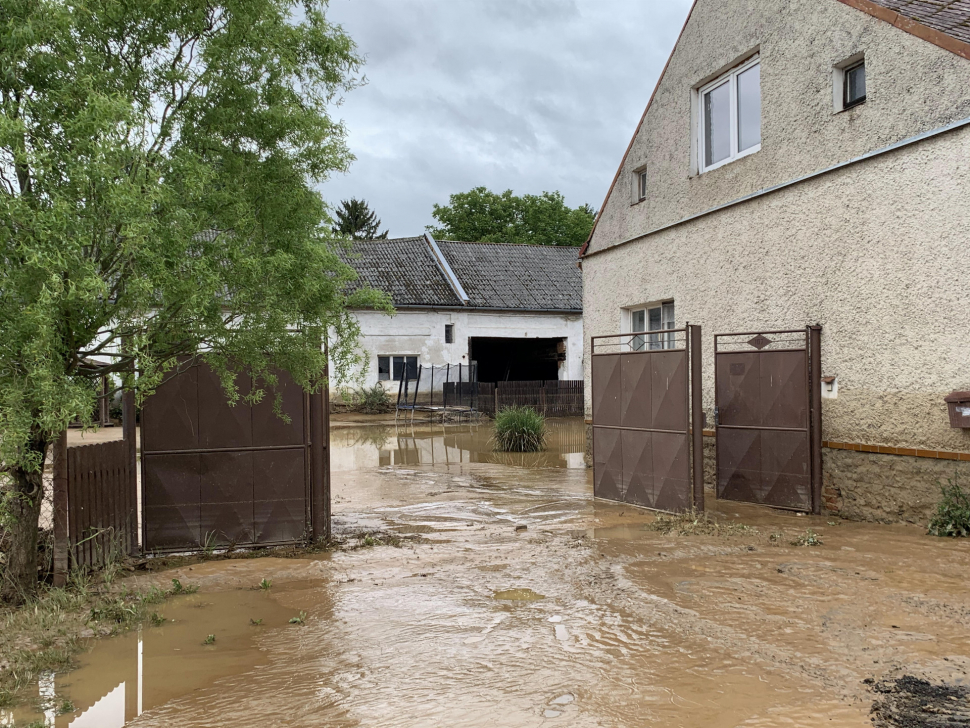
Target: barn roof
(486,275)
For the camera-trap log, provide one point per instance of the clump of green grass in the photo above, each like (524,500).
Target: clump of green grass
(265,584)
(694,523)
(178,588)
(809,538)
(298,619)
(209,640)
(372,400)
(519,429)
(952,517)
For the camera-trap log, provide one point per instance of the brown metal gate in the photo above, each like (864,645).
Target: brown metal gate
(215,475)
(768,418)
(643,386)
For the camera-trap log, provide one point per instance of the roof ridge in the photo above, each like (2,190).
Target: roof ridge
(511,245)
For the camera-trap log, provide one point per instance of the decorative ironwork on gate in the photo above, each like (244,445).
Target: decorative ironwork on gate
(643,387)
(768,418)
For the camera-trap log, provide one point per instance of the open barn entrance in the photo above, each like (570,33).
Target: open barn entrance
(516,360)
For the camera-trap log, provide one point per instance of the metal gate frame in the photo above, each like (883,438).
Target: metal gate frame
(812,428)
(314,430)
(620,347)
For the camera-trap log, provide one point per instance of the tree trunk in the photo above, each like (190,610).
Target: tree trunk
(23,504)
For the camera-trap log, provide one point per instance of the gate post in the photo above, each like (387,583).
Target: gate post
(59,498)
(131,460)
(697,414)
(320,462)
(815,398)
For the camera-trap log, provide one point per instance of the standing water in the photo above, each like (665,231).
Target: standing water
(482,588)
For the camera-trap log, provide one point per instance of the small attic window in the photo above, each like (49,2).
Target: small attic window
(640,182)
(854,85)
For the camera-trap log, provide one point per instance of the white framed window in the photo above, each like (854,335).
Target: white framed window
(729,116)
(657,317)
(849,83)
(640,185)
(395,367)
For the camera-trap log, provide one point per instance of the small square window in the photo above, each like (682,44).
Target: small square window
(854,85)
(641,185)
(383,368)
(449,333)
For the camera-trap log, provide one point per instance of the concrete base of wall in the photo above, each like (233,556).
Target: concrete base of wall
(861,486)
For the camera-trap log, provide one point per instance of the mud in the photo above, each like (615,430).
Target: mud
(723,627)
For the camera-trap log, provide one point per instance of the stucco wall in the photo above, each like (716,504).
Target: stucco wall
(912,86)
(877,253)
(423,333)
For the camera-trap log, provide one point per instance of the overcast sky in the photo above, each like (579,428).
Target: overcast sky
(528,95)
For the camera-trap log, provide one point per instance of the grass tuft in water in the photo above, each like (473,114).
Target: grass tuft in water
(809,538)
(299,619)
(695,523)
(519,429)
(265,584)
(209,640)
(952,517)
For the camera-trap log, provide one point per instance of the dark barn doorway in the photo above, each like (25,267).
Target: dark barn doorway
(515,360)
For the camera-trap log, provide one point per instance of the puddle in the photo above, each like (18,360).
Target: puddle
(518,595)
(624,626)
(124,676)
(374,446)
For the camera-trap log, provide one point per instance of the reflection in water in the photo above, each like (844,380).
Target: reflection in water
(517,600)
(372,446)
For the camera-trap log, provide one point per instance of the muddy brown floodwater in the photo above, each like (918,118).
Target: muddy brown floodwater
(584,617)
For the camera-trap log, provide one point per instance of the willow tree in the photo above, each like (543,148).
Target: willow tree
(157,170)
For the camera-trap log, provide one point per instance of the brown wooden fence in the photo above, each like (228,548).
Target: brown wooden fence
(101,503)
(95,499)
(553,398)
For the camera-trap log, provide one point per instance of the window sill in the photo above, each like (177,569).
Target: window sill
(856,105)
(746,153)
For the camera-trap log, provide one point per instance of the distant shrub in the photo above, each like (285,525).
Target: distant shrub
(519,429)
(952,517)
(372,400)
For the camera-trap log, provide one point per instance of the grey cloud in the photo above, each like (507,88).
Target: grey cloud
(530,95)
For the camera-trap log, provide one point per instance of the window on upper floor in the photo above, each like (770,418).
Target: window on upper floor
(449,333)
(658,317)
(849,83)
(640,185)
(729,124)
(854,85)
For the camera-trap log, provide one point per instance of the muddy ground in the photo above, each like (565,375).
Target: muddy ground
(513,598)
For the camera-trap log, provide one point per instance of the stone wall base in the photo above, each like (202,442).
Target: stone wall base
(861,486)
(864,486)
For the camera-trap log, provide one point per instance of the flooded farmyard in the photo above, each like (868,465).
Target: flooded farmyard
(479,588)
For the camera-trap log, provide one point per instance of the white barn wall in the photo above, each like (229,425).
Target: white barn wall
(422,332)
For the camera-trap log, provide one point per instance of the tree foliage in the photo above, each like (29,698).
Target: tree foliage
(355,220)
(157,162)
(480,215)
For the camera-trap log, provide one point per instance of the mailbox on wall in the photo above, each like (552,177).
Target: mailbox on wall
(958,404)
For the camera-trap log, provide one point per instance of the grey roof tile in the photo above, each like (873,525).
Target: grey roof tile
(494,275)
(947,16)
(403,268)
(526,277)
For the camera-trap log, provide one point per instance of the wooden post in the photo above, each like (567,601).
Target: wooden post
(60,503)
(815,395)
(542,399)
(697,414)
(496,397)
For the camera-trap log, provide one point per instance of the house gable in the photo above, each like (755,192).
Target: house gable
(914,86)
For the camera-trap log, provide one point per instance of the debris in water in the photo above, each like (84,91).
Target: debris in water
(519,595)
(910,702)
(521,528)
